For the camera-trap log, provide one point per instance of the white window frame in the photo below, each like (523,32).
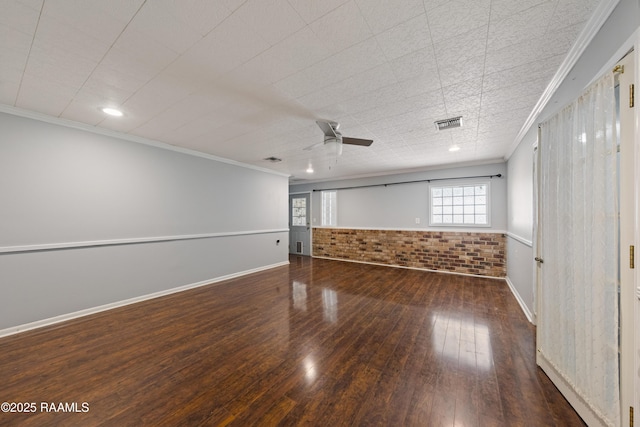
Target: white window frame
(433,187)
(329,219)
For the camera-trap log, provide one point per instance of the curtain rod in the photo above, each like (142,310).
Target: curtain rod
(499,175)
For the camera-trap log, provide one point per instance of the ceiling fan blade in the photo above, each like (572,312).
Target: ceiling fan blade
(314,146)
(327,128)
(357,141)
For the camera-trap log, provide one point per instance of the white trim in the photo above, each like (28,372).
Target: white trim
(129,137)
(520,239)
(410,268)
(591,28)
(89,311)
(588,415)
(139,240)
(636,166)
(523,306)
(467,230)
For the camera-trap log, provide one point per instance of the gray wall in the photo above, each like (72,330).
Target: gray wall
(398,206)
(88,220)
(520,225)
(603,49)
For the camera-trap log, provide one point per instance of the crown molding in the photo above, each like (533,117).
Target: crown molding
(591,28)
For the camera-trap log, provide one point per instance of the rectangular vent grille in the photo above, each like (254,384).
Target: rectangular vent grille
(454,122)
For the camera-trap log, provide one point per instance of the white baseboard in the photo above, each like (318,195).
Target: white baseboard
(523,306)
(586,412)
(86,312)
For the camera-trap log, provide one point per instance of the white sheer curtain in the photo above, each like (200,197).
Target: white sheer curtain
(578,302)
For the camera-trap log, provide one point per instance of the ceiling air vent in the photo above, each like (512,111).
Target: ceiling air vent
(272,159)
(454,122)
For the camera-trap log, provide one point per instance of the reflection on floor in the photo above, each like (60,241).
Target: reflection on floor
(319,342)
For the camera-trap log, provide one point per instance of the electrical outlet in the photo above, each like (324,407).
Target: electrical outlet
(417,220)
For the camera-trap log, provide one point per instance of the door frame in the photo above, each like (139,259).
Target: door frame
(633,42)
(536,227)
(636,168)
(310,212)
(628,190)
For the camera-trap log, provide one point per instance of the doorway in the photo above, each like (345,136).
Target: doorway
(300,224)
(586,196)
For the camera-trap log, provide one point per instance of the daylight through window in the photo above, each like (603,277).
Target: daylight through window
(460,205)
(299,212)
(329,213)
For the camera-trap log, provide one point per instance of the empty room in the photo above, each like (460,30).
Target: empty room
(325,213)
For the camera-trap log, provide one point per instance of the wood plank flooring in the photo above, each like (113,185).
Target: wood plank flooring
(318,343)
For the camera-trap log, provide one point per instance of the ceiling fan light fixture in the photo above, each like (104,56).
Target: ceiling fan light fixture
(333,140)
(334,147)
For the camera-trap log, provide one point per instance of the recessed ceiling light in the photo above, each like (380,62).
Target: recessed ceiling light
(310,169)
(454,148)
(112,111)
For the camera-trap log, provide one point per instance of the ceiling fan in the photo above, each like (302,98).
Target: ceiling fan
(333,137)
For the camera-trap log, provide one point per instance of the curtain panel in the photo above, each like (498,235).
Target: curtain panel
(578,233)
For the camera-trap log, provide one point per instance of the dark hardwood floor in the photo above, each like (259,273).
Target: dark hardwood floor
(318,342)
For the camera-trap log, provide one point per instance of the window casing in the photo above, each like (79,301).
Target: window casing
(465,205)
(329,208)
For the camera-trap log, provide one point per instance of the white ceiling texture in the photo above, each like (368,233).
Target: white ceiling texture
(246,79)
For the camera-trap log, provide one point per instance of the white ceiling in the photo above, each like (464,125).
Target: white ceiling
(246,79)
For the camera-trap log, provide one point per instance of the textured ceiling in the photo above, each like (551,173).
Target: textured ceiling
(246,80)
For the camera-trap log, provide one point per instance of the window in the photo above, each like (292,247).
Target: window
(329,213)
(464,205)
(299,212)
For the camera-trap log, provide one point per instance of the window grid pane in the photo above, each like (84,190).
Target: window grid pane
(463,205)
(329,212)
(299,212)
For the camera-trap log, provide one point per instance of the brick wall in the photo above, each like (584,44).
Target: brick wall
(462,252)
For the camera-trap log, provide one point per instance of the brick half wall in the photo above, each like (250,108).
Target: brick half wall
(474,253)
